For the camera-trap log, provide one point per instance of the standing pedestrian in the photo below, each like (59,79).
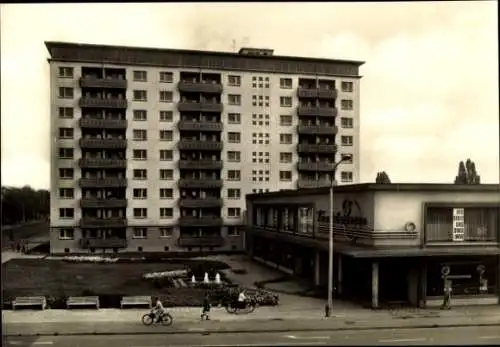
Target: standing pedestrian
(447,294)
(206,307)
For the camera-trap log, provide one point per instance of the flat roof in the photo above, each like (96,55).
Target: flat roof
(393,187)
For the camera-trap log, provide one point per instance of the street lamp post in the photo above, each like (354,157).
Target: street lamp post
(330,236)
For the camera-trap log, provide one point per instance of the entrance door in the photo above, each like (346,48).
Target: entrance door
(393,282)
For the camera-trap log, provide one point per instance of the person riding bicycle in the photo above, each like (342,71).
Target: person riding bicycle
(158,310)
(242,299)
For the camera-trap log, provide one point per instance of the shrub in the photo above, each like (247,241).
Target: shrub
(240,271)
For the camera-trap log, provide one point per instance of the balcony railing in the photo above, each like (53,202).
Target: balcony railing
(301,184)
(198,145)
(206,241)
(317,129)
(90,102)
(200,203)
(86,243)
(316,148)
(199,183)
(108,182)
(200,164)
(200,126)
(322,167)
(317,111)
(92,123)
(103,203)
(101,163)
(200,87)
(200,221)
(103,143)
(95,82)
(190,106)
(327,94)
(307,92)
(91,222)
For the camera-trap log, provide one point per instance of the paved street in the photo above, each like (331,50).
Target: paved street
(440,336)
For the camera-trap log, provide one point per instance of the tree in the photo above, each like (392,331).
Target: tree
(23,204)
(467,173)
(382,178)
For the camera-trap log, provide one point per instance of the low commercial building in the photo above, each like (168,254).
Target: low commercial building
(393,243)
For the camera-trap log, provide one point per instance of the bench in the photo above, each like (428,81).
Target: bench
(136,301)
(83,301)
(28,301)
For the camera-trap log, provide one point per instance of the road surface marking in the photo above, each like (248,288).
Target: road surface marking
(403,340)
(43,343)
(308,337)
(196,329)
(320,343)
(490,337)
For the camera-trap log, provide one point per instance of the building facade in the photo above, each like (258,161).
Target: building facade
(393,243)
(154,150)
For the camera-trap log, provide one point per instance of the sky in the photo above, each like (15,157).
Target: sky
(429,92)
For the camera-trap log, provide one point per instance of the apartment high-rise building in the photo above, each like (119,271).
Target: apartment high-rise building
(154,150)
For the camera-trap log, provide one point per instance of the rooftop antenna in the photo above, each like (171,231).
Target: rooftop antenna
(242,42)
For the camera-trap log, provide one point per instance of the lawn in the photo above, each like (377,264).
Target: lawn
(25,232)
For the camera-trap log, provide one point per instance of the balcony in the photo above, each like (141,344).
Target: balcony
(103,203)
(317,129)
(200,203)
(109,182)
(86,243)
(317,111)
(95,82)
(310,148)
(327,94)
(92,123)
(200,87)
(94,222)
(200,126)
(321,167)
(207,241)
(307,92)
(101,163)
(103,143)
(320,93)
(200,164)
(89,102)
(301,184)
(189,221)
(193,106)
(197,145)
(200,183)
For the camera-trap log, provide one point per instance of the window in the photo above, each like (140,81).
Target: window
(263,157)
(166,155)
(346,104)
(166,116)
(234,99)
(285,120)
(349,161)
(285,175)
(139,135)
(66,113)
(140,95)
(140,193)
(234,118)
(234,212)
(166,174)
(66,174)
(233,156)
(346,176)
(65,153)
(346,122)
(140,233)
(234,175)
(285,101)
(140,174)
(285,139)
(346,140)
(66,193)
(166,213)
(66,234)
(234,137)
(140,76)
(166,193)
(286,157)
(285,83)
(65,72)
(166,96)
(234,81)
(166,135)
(258,120)
(66,213)
(166,77)
(140,213)
(233,231)
(166,232)
(140,115)
(347,87)
(65,93)
(140,154)
(66,133)
(233,193)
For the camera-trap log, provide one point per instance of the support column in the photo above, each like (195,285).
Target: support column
(498,279)
(375,284)
(339,274)
(423,286)
(317,266)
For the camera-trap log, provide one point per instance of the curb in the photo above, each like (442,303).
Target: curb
(240,331)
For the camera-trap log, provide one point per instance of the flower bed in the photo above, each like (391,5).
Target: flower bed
(90,259)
